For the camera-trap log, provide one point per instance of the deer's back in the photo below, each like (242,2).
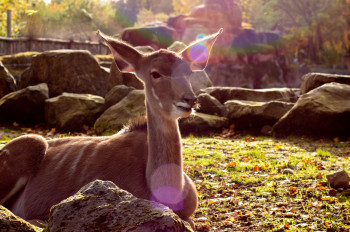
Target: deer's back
(70,163)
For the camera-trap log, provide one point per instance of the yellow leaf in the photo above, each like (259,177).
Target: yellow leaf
(212,202)
(256,168)
(280,204)
(277,146)
(231,164)
(292,189)
(53,130)
(15,124)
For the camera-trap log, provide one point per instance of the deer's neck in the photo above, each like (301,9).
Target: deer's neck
(164,164)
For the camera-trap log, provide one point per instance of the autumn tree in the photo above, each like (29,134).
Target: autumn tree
(18,10)
(317,26)
(185,6)
(69,19)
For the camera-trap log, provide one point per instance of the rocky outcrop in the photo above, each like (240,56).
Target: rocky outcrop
(200,124)
(73,71)
(11,223)
(17,63)
(263,74)
(7,82)
(116,94)
(117,77)
(224,94)
(155,36)
(24,106)
(253,115)
(102,206)
(200,80)
(210,105)
(71,112)
(322,112)
(207,18)
(118,115)
(313,80)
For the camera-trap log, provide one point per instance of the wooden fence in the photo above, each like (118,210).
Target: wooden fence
(12,46)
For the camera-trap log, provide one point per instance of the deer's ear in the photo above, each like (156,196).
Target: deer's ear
(198,52)
(119,48)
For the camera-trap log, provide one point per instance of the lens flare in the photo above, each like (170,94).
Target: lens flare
(200,36)
(169,196)
(199,53)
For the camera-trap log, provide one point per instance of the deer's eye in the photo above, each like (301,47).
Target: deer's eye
(155,75)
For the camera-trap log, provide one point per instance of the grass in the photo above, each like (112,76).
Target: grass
(243,186)
(260,184)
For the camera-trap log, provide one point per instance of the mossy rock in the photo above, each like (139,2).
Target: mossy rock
(19,58)
(11,223)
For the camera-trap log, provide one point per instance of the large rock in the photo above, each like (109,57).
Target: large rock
(231,74)
(201,124)
(24,106)
(102,206)
(17,63)
(118,115)
(252,115)
(322,112)
(338,179)
(71,111)
(154,36)
(264,73)
(117,77)
(130,79)
(208,18)
(116,94)
(224,94)
(11,223)
(73,71)
(313,80)
(210,105)
(7,82)
(230,9)
(200,80)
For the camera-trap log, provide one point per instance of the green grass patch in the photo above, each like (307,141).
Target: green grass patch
(243,184)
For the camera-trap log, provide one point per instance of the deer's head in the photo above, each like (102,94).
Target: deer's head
(165,74)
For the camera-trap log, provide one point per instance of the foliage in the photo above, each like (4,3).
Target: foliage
(60,18)
(147,16)
(185,6)
(310,23)
(126,12)
(74,19)
(18,8)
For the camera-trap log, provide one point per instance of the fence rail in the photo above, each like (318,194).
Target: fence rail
(12,45)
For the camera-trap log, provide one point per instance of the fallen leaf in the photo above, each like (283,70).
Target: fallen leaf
(231,164)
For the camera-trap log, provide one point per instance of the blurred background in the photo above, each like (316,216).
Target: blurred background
(299,36)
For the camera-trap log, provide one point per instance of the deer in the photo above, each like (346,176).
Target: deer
(146,159)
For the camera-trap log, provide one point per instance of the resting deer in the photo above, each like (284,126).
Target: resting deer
(35,174)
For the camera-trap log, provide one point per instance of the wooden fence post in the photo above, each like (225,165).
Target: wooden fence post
(9,23)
